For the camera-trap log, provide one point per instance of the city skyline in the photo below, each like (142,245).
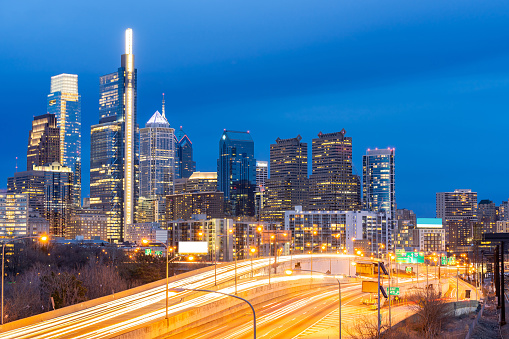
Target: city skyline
(366,107)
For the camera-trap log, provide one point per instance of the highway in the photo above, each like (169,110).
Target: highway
(114,317)
(306,312)
(298,316)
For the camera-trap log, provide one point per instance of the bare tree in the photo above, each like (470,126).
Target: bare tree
(431,311)
(101,280)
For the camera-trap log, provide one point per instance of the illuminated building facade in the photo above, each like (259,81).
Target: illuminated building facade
(379,194)
(197,182)
(261,188)
(184,155)
(487,214)
(288,184)
(15,219)
(43,141)
(216,232)
(456,206)
(49,190)
(64,102)
(337,230)
(430,235)
(184,205)
(89,224)
(236,173)
(114,154)
(333,186)
(157,157)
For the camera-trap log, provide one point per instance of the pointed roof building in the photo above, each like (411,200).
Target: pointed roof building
(157,120)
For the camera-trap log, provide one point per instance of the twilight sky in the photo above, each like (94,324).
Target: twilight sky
(426,77)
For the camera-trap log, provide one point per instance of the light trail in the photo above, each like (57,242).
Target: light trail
(81,324)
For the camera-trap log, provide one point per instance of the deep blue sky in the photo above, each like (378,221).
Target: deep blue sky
(430,78)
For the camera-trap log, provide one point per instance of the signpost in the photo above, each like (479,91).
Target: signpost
(393,290)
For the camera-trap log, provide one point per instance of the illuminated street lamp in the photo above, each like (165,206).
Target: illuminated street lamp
(179,289)
(190,258)
(43,238)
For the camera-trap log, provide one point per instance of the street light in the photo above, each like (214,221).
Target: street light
(190,258)
(251,250)
(179,289)
(290,272)
(43,238)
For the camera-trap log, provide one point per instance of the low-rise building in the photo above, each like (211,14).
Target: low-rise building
(88,224)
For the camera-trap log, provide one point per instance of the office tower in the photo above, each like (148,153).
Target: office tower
(216,232)
(487,215)
(49,190)
(503,211)
(261,173)
(114,152)
(288,183)
(429,235)
(456,206)
(43,141)
(236,173)
(333,186)
(157,157)
(64,102)
(88,224)
(260,190)
(404,233)
(184,205)
(184,155)
(151,209)
(197,182)
(378,185)
(15,217)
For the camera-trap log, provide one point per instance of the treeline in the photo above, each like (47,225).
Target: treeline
(40,278)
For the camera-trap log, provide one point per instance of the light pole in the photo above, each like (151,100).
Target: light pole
(177,290)
(147,242)
(42,238)
(290,272)
(251,250)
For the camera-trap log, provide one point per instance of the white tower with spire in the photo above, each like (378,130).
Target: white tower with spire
(157,157)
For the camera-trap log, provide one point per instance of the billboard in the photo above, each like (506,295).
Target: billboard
(429,222)
(193,247)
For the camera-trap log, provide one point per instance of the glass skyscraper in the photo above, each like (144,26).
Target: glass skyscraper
(114,152)
(157,157)
(65,102)
(236,173)
(379,194)
(184,155)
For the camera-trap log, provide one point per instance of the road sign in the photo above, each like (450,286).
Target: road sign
(160,253)
(393,290)
(369,286)
(408,269)
(411,258)
(148,251)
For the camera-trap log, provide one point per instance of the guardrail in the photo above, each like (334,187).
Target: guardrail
(475,322)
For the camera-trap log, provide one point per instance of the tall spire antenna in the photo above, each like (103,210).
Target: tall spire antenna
(164,116)
(16,164)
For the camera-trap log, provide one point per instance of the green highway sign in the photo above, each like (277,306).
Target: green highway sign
(408,269)
(410,258)
(158,253)
(394,291)
(148,251)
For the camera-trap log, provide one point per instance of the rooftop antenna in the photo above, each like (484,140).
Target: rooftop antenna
(16,164)
(164,116)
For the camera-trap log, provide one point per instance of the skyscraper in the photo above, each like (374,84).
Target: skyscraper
(157,157)
(378,186)
(236,173)
(288,184)
(184,155)
(260,190)
(456,207)
(333,186)
(43,141)
(114,152)
(65,102)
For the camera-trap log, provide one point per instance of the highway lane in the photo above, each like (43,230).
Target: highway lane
(121,315)
(296,316)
